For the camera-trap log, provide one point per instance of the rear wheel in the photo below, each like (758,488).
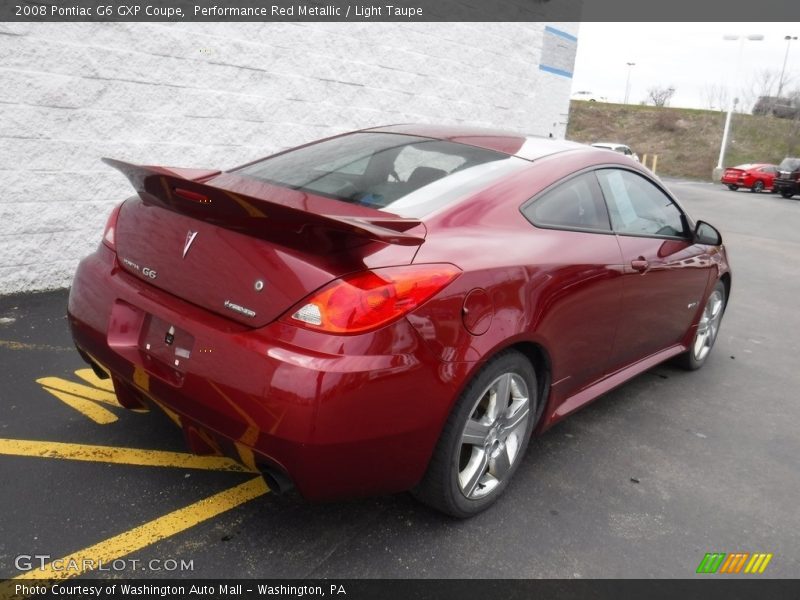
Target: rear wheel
(484,438)
(758,187)
(733,187)
(707,330)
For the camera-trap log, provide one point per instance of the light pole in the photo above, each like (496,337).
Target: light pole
(788,39)
(732,102)
(628,81)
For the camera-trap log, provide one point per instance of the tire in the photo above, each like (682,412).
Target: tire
(786,194)
(707,330)
(733,187)
(758,187)
(482,443)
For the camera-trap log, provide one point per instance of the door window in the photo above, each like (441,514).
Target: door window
(637,207)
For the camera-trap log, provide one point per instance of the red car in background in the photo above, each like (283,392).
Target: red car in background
(756,177)
(396,308)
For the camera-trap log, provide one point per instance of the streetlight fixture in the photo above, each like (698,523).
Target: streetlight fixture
(789,39)
(733,101)
(628,81)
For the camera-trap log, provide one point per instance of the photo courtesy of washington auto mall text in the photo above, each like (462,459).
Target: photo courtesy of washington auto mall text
(178,590)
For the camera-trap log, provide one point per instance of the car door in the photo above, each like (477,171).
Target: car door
(664,273)
(578,290)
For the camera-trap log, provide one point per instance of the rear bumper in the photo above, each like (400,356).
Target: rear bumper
(341,416)
(786,185)
(732,180)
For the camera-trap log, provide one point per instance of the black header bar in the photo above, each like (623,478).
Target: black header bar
(400,10)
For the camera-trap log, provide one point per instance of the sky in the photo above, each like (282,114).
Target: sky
(691,57)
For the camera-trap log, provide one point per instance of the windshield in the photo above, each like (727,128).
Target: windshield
(790,164)
(379,169)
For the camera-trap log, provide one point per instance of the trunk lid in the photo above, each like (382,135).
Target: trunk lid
(246,249)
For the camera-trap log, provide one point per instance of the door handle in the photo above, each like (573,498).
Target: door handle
(640,264)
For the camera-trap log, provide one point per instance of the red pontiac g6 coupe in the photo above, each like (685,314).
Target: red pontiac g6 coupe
(756,177)
(396,308)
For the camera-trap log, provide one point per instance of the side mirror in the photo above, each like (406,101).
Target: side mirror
(706,234)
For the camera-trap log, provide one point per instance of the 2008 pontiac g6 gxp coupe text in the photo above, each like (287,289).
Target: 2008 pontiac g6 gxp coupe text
(396,308)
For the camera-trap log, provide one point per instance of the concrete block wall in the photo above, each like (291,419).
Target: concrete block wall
(221,94)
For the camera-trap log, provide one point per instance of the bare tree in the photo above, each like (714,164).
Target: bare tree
(715,96)
(762,85)
(660,96)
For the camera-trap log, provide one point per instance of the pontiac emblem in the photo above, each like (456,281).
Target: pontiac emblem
(190,235)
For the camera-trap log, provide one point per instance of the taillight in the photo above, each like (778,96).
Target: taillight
(367,300)
(111,228)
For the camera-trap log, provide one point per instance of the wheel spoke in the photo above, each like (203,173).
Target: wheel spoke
(470,477)
(699,345)
(702,327)
(511,422)
(716,308)
(502,396)
(500,464)
(475,433)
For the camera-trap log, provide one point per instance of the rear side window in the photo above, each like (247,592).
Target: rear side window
(372,169)
(576,205)
(789,164)
(637,207)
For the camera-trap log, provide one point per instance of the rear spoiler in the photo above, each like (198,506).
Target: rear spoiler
(180,191)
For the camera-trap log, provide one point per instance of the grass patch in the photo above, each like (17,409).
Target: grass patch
(686,140)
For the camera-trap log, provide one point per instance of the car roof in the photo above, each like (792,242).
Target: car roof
(524,146)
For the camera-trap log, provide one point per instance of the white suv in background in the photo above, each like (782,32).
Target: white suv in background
(621,148)
(588,97)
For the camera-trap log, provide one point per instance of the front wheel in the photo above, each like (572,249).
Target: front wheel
(758,187)
(484,438)
(707,330)
(733,187)
(786,193)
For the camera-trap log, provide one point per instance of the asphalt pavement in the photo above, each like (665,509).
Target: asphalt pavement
(642,483)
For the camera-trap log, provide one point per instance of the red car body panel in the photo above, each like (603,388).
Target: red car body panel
(746,176)
(347,415)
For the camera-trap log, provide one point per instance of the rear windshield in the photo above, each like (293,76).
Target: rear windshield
(789,164)
(381,170)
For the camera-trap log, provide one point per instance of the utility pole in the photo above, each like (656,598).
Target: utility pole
(789,39)
(628,81)
(733,101)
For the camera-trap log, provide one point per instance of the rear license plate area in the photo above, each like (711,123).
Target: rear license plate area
(166,343)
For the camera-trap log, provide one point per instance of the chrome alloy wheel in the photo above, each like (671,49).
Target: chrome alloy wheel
(708,326)
(493,435)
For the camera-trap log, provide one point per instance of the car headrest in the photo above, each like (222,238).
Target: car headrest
(425,175)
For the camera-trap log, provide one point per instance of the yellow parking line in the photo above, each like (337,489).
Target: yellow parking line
(97,413)
(152,531)
(89,377)
(92,393)
(124,456)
